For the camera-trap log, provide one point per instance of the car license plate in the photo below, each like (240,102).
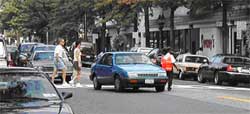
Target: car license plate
(149,81)
(88,56)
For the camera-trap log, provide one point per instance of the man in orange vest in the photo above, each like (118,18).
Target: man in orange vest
(167,62)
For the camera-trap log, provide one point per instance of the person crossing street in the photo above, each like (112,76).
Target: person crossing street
(167,62)
(59,63)
(77,65)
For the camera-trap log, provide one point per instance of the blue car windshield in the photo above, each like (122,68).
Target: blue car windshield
(132,59)
(40,56)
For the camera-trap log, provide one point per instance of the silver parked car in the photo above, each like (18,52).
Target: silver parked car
(43,60)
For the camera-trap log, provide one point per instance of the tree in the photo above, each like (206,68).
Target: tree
(69,15)
(172,5)
(10,18)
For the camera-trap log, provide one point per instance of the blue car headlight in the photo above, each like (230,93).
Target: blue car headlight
(162,74)
(132,75)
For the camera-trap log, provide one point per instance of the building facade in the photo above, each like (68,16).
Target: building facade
(192,33)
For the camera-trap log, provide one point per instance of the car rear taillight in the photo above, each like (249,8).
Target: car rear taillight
(10,61)
(231,69)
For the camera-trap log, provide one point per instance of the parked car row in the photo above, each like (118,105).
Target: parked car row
(220,68)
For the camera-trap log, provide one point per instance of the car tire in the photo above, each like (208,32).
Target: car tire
(97,85)
(217,79)
(200,77)
(118,85)
(160,88)
(181,76)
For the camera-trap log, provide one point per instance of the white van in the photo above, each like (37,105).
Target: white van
(3,53)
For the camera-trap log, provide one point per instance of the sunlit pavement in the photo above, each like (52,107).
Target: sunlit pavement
(187,97)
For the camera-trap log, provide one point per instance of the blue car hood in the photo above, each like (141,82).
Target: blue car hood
(141,67)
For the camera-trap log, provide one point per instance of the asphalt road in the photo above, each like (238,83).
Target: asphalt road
(187,97)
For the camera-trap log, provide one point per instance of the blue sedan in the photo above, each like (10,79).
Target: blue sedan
(127,70)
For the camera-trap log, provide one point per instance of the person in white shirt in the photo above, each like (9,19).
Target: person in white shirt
(169,56)
(77,64)
(59,64)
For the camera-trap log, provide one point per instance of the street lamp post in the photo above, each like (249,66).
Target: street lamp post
(161,22)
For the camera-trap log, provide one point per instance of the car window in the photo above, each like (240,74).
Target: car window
(217,59)
(132,59)
(44,56)
(153,52)
(26,47)
(239,60)
(106,59)
(179,58)
(195,59)
(52,48)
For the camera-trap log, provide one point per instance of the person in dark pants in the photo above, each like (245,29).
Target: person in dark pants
(167,62)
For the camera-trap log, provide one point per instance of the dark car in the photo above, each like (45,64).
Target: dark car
(26,90)
(225,68)
(11,49)
(24,52)
(88,54)
(155,56)
(127,70)
(44,60)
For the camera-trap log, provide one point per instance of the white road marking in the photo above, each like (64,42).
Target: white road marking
(174,86)
(66,87)
(210,87)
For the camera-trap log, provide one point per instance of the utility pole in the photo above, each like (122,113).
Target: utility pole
(224,26)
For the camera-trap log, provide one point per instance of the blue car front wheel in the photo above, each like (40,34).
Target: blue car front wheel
(97,85)
(118,85)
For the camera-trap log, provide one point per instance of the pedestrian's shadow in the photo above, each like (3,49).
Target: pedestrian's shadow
(127,91)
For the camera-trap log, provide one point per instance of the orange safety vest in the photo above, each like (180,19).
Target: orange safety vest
(167,63)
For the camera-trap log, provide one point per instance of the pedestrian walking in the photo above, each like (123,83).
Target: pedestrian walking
(199,52)
(59,63)
(77,65)
(167,62)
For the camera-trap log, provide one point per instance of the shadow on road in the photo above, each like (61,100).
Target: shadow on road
(127,91)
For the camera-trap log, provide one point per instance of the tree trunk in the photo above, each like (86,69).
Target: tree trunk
(103,39)
(147,34)
(135,23)
(224,28)
(172,43)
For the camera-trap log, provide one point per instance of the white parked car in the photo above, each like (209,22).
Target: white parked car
(188,65)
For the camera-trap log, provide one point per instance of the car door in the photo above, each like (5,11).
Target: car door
(104,69)
(107,69)
(213,67)
(206,67)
